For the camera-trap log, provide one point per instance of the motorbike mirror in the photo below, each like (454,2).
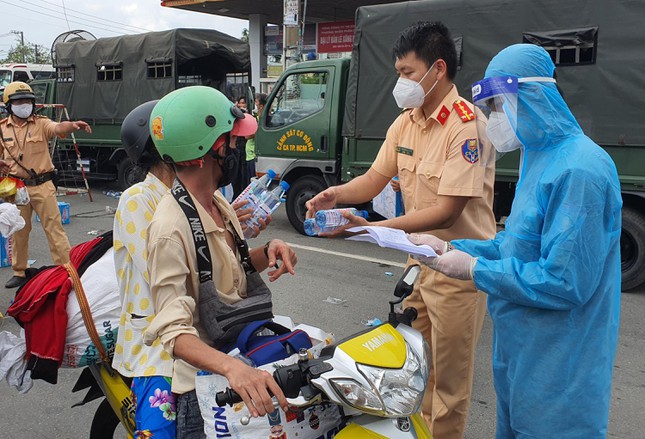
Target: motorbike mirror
(406,284)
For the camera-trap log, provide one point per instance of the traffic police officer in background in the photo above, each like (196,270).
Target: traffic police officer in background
(25,151)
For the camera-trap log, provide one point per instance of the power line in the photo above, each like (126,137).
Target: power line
(94,16)
(22,7)
(65,12)
(126,28)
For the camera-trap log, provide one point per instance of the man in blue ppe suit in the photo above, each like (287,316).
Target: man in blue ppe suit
(553,276)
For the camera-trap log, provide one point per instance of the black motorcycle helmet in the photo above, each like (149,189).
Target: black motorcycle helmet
(135,136)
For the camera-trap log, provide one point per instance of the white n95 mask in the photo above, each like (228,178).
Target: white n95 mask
(23,111)
(501,133)
(409,94)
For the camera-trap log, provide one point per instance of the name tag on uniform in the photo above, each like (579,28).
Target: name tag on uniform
(403,150)
(7,139)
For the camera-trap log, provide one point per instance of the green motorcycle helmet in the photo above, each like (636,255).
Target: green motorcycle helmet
(185,123)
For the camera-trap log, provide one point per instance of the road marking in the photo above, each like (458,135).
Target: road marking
(347,255)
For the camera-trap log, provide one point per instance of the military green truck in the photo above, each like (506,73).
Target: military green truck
(325,120)
(100,81)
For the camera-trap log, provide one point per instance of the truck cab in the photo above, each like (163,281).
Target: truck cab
(300,131)
(24,72)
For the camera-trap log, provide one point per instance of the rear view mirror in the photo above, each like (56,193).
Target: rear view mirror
(406,284)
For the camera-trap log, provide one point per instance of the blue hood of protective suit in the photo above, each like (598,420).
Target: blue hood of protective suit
(544,120)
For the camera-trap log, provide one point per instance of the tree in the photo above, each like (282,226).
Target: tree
(31,53)
(245,35)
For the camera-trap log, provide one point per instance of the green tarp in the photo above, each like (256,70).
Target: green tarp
(196,56)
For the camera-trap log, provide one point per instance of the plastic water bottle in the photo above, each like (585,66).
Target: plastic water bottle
(267,205)
(332,218)
(254,192)
(312,229)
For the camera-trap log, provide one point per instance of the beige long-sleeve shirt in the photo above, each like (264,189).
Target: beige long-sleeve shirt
(174,279)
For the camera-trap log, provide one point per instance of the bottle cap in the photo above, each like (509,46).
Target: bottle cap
(271,173)
(285,185)
(362,213)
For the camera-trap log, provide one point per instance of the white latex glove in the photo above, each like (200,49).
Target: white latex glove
(438,245)
(455,264)
(10,219)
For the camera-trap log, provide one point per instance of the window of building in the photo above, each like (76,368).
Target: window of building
(64,73)
(567,47)
(159,68)
(109,72)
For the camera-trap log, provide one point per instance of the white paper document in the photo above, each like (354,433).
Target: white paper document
(390,238)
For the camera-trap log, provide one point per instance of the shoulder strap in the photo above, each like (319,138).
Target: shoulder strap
(186,203)
(199,237)
(86,312)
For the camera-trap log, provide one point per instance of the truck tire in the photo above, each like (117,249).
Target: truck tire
(301,191)
(632,249)
(128,173)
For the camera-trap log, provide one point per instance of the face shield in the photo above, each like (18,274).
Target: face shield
(496,97)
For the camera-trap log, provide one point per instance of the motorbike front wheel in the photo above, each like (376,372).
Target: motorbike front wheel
(105,422)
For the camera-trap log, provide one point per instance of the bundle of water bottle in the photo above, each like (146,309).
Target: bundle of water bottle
(262,200)
(329,220)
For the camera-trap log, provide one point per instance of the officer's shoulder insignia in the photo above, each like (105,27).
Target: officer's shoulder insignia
(463,111)
(470,151)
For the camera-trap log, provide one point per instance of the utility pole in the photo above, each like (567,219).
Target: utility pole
(22,43)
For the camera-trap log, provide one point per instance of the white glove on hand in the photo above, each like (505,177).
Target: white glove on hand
(438,245)
(455,264)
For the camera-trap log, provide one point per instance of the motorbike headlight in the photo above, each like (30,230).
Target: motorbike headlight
(394,392)
(357,395)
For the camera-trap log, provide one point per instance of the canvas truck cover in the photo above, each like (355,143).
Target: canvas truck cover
(188,50)
(606,95)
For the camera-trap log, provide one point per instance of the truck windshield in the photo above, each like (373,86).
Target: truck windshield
(299,96)
(5,77)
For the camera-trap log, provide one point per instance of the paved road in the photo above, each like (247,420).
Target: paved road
(356,273)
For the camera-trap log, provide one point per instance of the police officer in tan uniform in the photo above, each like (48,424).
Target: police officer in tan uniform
(25,150)
(446,178)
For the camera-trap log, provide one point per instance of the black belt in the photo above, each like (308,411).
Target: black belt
(39,179)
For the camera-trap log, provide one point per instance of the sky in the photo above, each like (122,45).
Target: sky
(41,21)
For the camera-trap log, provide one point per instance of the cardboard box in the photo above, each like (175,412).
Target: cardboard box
(64,209)
(5,251)
(388,203)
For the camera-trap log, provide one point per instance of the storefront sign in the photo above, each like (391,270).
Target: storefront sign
(335,37)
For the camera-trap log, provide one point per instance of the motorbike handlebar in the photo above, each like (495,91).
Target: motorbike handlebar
(289,378)
(227,397)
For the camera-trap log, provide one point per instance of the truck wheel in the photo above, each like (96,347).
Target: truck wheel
(302,190)
(632,249)
(128,173)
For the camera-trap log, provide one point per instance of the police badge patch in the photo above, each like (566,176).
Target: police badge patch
(470,151)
